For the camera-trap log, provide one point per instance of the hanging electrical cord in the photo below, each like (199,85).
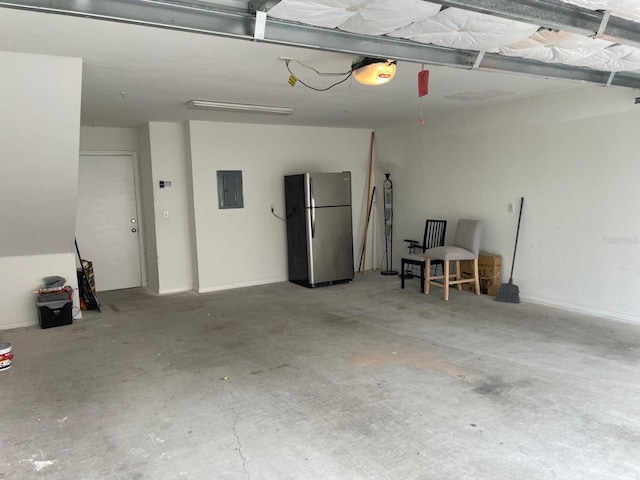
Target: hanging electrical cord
(293,79)
(273,212)
(322,74)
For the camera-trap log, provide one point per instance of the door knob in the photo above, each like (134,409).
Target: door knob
(134,230)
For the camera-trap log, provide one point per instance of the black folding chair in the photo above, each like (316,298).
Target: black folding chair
(413,264)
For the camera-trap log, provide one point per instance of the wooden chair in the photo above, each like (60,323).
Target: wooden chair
(434,231)
(466,246)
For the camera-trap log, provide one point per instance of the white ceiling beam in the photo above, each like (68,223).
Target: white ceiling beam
(241,25)
(603,23)
(262,5)
(260,25)
(556,15)
(478,61)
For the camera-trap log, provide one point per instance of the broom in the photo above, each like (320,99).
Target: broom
(509,292)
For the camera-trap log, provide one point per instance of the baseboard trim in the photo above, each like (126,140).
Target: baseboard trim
(19,324)
(166,291)
(33,322)
(622,316)
(231,286)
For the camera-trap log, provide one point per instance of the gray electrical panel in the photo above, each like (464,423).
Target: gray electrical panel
(230,189)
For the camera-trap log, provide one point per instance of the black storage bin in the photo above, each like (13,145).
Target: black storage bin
(55,314)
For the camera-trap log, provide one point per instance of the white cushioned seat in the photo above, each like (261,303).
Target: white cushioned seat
(449,253)
(466,246)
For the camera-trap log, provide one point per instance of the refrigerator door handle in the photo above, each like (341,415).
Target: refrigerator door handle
(313,209)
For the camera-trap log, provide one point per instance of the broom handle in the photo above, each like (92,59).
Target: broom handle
(513,261)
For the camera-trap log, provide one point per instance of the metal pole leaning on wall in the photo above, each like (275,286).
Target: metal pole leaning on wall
(364,246)
(388,224)
(366,224)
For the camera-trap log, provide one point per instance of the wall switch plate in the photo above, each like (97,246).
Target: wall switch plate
(165,214)
(510,207)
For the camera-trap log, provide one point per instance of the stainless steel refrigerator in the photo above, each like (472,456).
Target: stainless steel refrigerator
(319,228)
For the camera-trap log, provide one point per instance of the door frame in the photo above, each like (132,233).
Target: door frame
(138,190)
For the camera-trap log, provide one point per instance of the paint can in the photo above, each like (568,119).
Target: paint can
(5,356)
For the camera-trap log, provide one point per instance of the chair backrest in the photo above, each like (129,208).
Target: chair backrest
(468,233)
(434,231)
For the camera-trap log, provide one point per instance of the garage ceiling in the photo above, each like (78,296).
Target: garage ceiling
(135,72)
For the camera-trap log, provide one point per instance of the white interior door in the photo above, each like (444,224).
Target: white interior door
(107,223)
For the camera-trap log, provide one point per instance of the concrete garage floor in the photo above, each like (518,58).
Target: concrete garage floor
(358,381)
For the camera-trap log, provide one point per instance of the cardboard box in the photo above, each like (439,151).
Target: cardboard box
(489,270)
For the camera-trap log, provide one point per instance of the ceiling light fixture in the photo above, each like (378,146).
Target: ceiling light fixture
(373,71)
(240,107)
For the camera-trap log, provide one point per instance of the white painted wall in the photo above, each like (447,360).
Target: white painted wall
(115,140)
(108,139)
(240,247)
(173,237)
(23,275)
(191,206)
(148,208)
(39,125)
(573,156)
(39,138)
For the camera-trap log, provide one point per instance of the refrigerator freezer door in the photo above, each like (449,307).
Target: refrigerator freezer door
(330,249)
(327,189)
